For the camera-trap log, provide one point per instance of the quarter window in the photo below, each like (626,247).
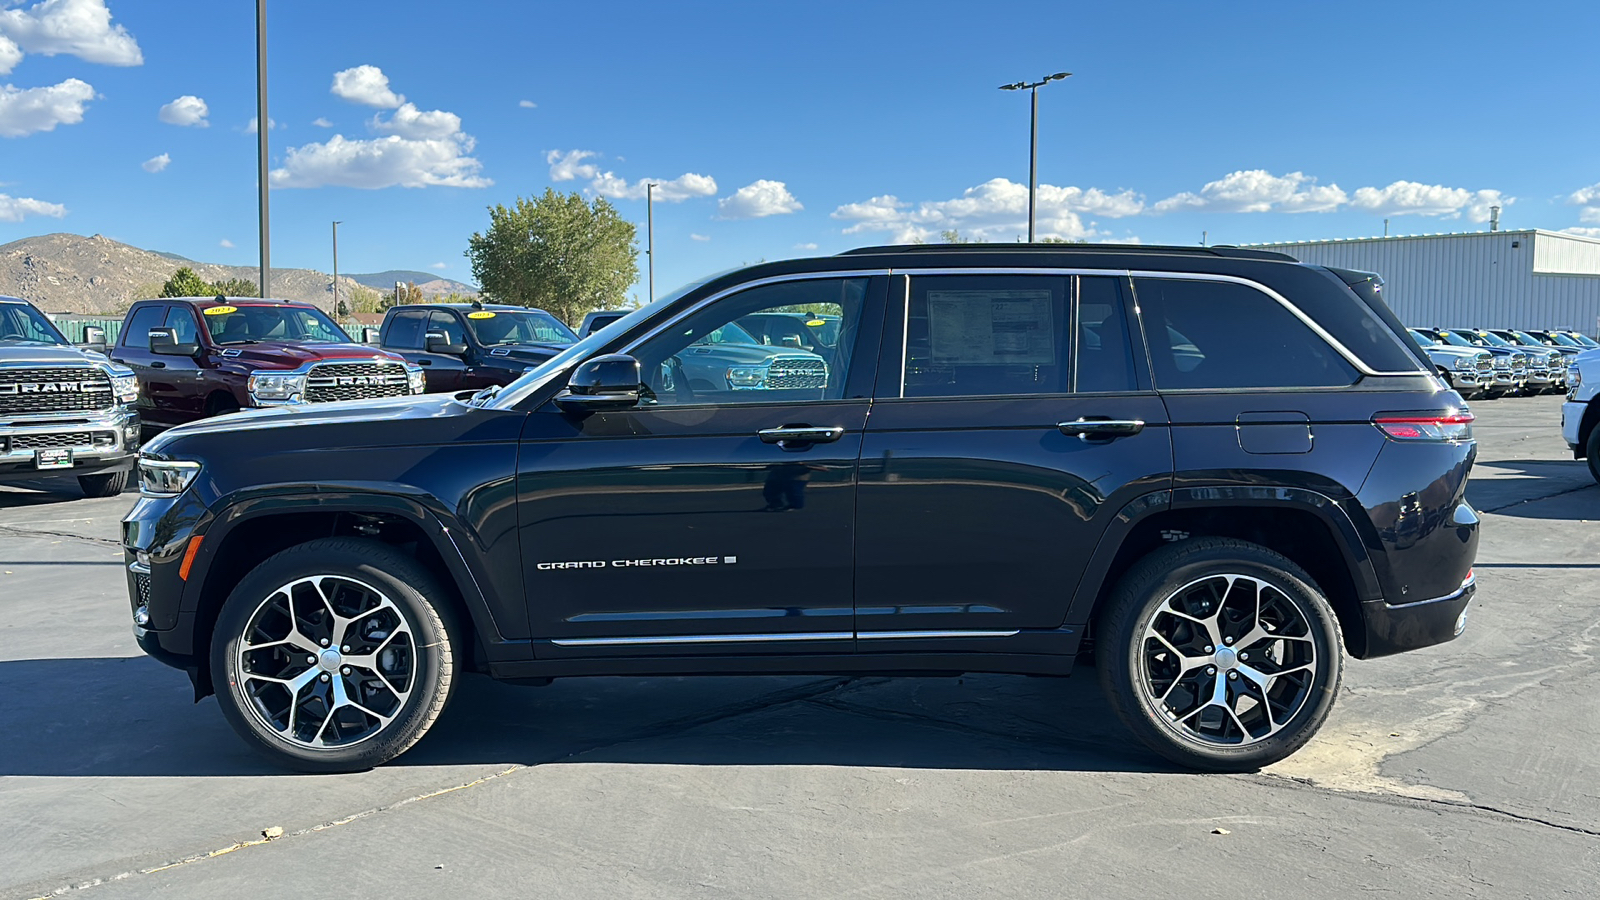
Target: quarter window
(1220,335)
(138,330)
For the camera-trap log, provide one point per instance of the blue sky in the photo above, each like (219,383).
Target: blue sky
(787,129)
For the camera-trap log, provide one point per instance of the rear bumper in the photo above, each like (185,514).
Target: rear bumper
(1396,628)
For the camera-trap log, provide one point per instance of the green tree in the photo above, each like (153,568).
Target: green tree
(236,287)
(362,299)
(403,294)
(557,252)
(185,283)
(953,236)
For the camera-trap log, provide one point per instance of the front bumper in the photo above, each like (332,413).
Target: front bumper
(100,442)
(1396,628)
(156,535)
(1571,421)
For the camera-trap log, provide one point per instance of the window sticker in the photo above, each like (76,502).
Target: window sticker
(480,314)
(220,310)
(989,328)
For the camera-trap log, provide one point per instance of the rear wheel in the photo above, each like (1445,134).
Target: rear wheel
(110,484)
(333,656)
(1220,654)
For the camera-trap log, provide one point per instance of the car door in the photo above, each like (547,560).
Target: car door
(404,333)
(184,375)
(1013,421)
(712,518)
(157,393)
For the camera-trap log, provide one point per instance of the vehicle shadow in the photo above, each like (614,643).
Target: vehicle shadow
(1534,489)
(133,717)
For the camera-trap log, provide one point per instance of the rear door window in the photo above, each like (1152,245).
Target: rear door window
(1218,335)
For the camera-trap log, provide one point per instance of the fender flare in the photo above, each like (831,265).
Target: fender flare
(1352,547)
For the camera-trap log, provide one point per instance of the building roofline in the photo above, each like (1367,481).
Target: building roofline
(1418,237)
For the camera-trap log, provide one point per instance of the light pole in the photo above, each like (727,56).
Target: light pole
(261,144)
(650,235)
(1033,139)
(336,268)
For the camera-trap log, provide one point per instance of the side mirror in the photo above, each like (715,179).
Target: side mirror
(437,342)
(163,342)
(369,335)
(94,338)
(605,382)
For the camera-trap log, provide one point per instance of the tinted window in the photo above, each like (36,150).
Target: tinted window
(514,327)
(708,358)
(1213,334)
(137,334)
(448,325)
(21,323)
(405,329)
(986,335)
(181,320)
(248,324)
(1105,362)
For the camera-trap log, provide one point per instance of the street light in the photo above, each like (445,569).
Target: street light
(1033,138)
(336,268)
(262,127)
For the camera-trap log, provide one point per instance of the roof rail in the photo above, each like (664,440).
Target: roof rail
(1220,250)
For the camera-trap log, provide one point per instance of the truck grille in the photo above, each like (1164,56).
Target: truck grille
(791,372)
(1485,363)
(74,439)
(356,381)
(1519,361)
(56,389)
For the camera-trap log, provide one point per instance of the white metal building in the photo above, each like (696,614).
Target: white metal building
(1486,279)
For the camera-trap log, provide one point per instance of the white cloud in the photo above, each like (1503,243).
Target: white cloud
(187,110)
(527,104)
(80,28)
(15,209)
(439,265)
(25,111)
(806,246)
(156,163)
(1257,190)
(391,161)
(1412,198)
(757,200)
(570,165)
(225,243)
(366,85)
(410,122)
(1589,199)
(1582,232)
(700,237)
(996,210)
(272,125)
(321,122)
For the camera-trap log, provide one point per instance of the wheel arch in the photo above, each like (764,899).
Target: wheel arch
(1587,425)
(1309,528)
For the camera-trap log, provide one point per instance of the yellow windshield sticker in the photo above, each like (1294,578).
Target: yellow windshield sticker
(220,310)
(815,323)
(480,314)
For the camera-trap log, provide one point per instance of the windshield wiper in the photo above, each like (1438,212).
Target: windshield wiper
(245,341)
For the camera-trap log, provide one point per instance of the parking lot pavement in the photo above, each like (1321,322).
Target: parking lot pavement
(1461,770)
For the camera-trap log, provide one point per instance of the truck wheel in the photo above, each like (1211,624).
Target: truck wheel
(1219,654)
(221,405)
(110,484)
(334,655)
(1592,449)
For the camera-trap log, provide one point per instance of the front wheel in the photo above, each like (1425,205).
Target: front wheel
(1591,448)
(110,484)
(334,655)
(1219,654)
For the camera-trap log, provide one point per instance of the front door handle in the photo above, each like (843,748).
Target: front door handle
(158,364)
(1101,429)
(800,435)
(424,362)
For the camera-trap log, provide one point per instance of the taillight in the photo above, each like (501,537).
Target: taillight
(1451,426)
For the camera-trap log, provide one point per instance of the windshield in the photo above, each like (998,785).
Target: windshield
(1421,340)
(1482,338)
(730,333)
(1450,337)
(1561,340)
(499,326)
(253,324)
(1583,339)
(1528,339)
(24,323)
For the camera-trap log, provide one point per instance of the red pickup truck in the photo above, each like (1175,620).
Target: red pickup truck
(205,356)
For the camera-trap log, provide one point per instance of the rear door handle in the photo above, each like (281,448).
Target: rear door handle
(800,435)
(1108,429)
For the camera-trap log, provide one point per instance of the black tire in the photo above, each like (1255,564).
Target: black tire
(110,484)
(352,564)
(1177,574)
(221,405)
(1591,449)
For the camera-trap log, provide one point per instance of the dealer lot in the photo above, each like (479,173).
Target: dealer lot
(1467,769)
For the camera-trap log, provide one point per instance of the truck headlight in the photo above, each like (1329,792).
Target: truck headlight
(747,376)
(1463,364)
(164,478)
(417,380)
(1574,378)
(126,387)
(276,387)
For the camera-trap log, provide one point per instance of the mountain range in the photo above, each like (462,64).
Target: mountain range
(70,273)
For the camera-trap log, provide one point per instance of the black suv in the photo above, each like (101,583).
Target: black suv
(1216,470)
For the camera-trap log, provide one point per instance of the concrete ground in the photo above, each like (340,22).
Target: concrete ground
(1466,770)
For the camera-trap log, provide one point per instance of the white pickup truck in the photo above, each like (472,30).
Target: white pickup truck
(1581,412)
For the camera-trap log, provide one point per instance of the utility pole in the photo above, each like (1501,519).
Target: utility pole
(262,128)
(336,268)
(650,236)
(1033,141)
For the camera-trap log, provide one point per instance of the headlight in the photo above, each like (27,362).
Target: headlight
(126,387)
(1463,363)
(1501,362)
(1574,377)
(417,380)
(747,376)
(159,478)
(276,387)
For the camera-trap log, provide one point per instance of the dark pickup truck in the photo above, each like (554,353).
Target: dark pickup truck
(65,411)
(466,346)
(205,356)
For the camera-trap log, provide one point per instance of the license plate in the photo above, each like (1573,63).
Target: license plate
(58,458)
